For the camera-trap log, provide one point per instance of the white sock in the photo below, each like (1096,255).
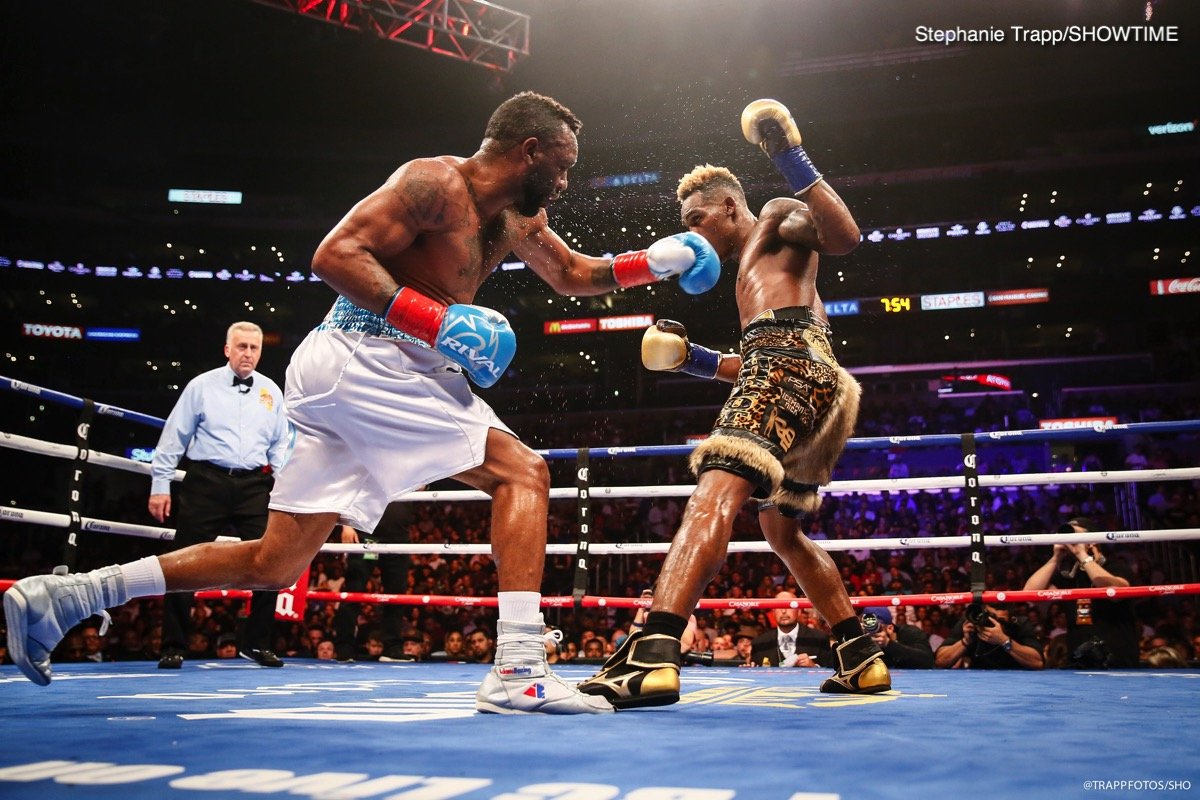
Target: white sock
(144,578)
(520,606)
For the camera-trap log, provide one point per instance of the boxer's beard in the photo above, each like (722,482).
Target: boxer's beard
(536,193)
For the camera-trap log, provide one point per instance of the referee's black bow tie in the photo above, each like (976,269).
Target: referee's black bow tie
(249,381)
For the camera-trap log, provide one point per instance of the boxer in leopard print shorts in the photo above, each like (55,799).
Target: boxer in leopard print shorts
(790,412)
(783,427)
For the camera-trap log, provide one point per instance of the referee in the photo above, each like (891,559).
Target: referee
(230,423)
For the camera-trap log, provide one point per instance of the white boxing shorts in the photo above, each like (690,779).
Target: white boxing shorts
(375,418)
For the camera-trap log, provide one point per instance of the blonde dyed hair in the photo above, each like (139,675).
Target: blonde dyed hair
(706,178)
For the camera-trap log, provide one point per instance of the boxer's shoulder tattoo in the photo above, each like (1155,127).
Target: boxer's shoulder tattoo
(423,199)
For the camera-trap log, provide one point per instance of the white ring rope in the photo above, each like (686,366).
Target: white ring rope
(68,451)
(836,488)
(841,488)
(86,523)
(902,543)
(952,482)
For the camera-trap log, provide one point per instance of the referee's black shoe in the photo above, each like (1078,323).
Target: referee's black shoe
(264,658)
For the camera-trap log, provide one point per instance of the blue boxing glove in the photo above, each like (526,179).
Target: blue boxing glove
(478,339)
(768,124)
(688,255)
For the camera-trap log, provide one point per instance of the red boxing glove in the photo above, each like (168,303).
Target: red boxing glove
(416,314)
(632,269)
(686,255)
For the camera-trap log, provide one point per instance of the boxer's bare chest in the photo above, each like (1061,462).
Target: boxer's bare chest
(456,261)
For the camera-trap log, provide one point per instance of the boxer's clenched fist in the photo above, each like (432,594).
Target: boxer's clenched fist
(665,348)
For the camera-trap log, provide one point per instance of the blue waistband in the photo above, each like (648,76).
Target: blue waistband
(345,316)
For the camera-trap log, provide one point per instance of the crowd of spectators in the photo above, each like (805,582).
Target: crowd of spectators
(466,633)
(420,632)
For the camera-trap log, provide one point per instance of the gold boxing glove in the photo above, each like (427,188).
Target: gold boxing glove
(665,348)
(768,124)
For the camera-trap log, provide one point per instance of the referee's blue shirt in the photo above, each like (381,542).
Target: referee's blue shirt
(216,421)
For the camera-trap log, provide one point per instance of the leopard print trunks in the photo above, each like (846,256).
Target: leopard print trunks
(789,414)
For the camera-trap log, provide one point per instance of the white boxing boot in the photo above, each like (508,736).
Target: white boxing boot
(521,681)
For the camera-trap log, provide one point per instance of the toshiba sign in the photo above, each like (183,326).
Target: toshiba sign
(1095,423)
(1175,286)
(626,323)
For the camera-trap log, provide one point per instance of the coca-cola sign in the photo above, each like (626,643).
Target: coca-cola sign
(1175,286)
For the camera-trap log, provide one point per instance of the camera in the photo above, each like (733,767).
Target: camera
(979,616)
(870,623)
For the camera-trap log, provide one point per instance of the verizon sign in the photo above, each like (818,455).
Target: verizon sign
(1175,286)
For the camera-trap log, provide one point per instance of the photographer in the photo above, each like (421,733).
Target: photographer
(903,646)
(1100,633)
(985,638)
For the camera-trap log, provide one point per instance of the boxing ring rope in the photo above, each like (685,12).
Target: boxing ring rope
(585,491)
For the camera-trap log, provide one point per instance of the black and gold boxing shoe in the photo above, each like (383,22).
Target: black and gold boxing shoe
(644,672)
(860,668)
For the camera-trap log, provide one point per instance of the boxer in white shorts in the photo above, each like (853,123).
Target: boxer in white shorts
(356,401)
(379,397)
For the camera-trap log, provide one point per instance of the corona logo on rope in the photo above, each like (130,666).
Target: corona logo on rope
(1004,434)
